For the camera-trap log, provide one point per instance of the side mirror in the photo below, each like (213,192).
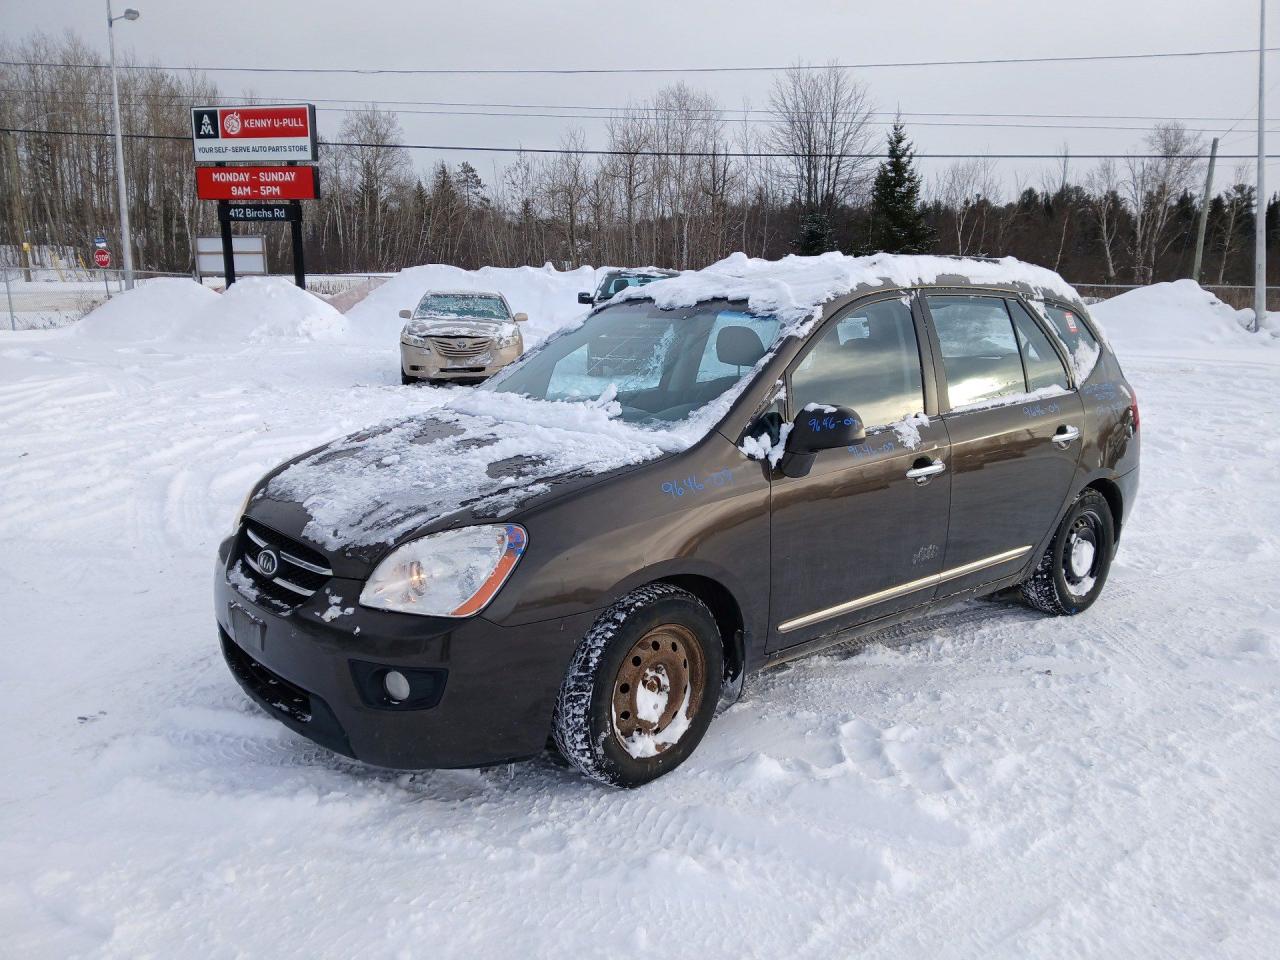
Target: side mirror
(406,314)
(584,298)
(816,428)
(521,318)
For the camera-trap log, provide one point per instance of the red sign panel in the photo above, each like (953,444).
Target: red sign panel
(265,122)
(102,257)
(254,133)
(257,183)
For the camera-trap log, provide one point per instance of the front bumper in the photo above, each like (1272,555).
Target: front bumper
(496,685)
(424,363)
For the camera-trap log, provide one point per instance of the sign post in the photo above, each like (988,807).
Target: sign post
(102,258)
(256,135)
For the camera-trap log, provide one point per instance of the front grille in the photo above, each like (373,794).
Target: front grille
(460,347)
(299,571)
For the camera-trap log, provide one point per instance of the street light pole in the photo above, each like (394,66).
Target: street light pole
(126,239)
(1260,218)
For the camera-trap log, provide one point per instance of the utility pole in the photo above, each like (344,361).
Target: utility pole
(1204,212)
(126,239)
(1260,220)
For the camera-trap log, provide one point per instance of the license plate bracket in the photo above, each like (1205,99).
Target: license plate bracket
(248,630)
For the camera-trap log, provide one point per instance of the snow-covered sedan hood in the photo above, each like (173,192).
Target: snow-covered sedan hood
(458,327)
(360,494)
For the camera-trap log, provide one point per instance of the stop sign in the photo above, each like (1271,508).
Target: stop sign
(102,257)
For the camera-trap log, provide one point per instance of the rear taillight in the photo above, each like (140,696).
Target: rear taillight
(1133,408)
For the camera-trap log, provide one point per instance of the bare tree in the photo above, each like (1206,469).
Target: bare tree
(821,124)
(1103,184)
(1151,185)
(966,188)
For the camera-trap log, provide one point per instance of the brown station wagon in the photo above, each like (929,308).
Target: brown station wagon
(596,559)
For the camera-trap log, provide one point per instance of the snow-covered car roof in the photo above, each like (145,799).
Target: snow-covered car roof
(795,288)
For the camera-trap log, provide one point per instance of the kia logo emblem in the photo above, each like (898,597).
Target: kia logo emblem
(268,562)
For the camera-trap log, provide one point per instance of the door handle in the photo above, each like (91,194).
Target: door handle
(1065,434)
(923,473)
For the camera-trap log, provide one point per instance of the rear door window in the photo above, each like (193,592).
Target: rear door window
(979,349)
(868,360)
(1044,365)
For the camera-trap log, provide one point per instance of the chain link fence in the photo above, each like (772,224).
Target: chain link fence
(44,304)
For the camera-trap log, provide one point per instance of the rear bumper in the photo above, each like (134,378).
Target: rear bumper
(491,691)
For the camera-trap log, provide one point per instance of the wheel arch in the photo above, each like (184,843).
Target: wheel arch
(728,615)
(1111,492)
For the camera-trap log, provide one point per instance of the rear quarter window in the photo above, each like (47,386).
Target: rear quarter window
(1076,336)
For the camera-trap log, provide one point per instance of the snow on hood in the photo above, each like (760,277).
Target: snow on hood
(795,287)
(483,452)
(441,326)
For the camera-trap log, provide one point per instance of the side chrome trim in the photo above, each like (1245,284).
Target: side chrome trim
(901,589)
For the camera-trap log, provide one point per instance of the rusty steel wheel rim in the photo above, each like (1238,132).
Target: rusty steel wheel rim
(655,675)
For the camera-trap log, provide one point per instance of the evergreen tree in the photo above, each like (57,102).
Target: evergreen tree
(815,235)
(897,220)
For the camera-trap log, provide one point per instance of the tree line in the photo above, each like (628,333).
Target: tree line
(683,183)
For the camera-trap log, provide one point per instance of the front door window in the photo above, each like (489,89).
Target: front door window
(867,360)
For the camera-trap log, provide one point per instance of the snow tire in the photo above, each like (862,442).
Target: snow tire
(1055,587)
(583,724)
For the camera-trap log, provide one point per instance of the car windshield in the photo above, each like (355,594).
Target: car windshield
(663,364)
(474,306)
(620,281)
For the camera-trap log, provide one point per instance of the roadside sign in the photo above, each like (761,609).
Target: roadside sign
(246,134)
(100,242)
(102,257)
(259,212)
(249,256)
(257,183)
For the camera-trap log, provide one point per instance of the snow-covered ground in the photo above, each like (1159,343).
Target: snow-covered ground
(991,783)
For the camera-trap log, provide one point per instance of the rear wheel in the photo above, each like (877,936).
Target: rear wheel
(1074,568)
(642,687)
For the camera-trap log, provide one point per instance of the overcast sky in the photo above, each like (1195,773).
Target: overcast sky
(658,33)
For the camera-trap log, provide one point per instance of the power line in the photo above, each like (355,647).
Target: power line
(720,155)
(981,124)
(731,112)
(575,71)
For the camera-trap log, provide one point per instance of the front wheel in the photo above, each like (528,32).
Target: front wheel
(642,687)
(1074,568)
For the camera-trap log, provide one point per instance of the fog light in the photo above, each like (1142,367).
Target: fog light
(396,685)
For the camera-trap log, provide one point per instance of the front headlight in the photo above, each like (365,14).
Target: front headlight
(509,337)
(244,505)
(451,574)
(415,332)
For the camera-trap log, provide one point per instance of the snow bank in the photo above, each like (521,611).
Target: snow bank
(547,295)
(152,310)
(252,310)
(264,308)
(1173,316)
